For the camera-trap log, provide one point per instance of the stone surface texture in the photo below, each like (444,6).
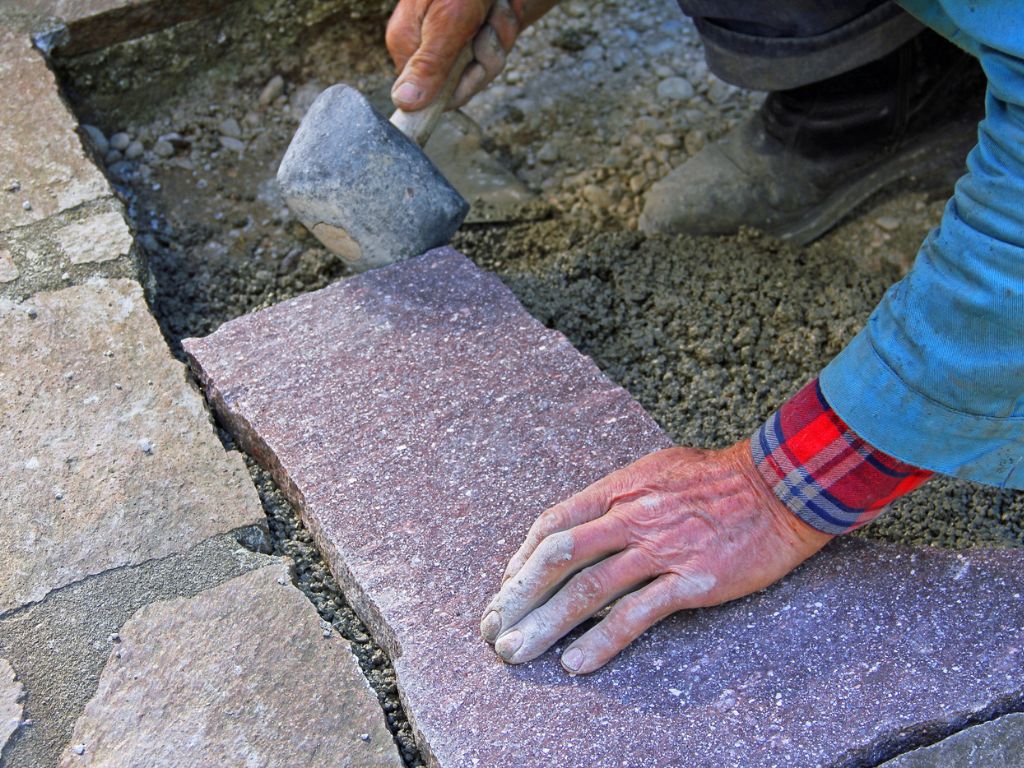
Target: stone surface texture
(109,455)
(998,743)
(43,168)
(8,269)
(240,675)
(102,237)
(421,420)
(10,702)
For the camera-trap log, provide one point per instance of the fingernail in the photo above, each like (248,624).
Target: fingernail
(490,626)
(508,644)
(406,93)
(572,659)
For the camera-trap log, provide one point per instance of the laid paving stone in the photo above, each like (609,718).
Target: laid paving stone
(241,674)
(60,645)
(420,419)
(95,24)
(998,743)
(109,455)
(43,167)
(10,702)
(102,237)
(8,269)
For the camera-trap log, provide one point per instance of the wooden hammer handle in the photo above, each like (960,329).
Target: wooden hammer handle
(419,125)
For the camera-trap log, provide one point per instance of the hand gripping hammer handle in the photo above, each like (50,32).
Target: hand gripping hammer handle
(419,125)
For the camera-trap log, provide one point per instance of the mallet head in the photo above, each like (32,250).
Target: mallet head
(365,190)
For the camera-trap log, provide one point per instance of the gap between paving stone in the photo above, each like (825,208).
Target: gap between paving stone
(997,743)
(371,437)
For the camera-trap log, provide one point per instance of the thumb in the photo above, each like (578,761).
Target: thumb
(444,33)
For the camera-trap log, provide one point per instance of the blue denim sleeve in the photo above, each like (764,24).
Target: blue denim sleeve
(936,378)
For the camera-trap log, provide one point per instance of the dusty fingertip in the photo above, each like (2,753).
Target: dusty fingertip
(507,645)
(572,660)
(490,626)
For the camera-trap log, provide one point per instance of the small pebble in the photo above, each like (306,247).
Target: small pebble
(163,148)
(14,186)
(134,150)
(669,140)
(120,141)
(694,142)
(364,736)
(146,446)
(32,312)
(675,89)
(548,153)
(26,206)
(597,196)
(888,223)
(273,89)
(97,138)
(235,145)
(78,749)
(113,637)
(113,156)
(230,128)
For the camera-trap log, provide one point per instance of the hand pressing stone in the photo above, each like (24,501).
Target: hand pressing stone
(680,528)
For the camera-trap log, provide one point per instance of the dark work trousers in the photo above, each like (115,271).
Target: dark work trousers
(774,45)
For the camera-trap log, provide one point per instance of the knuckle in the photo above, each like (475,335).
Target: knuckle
(689,585)
(556,548)
(590,584)
(631,610)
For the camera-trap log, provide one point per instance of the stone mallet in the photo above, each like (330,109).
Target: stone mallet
(363,186)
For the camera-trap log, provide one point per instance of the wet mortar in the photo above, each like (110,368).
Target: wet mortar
(710,335)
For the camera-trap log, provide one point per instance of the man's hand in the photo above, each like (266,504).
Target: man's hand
(425,38)
(680,528)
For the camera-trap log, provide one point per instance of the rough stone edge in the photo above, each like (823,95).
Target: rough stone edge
(936,748)
(365,608)
(888,749)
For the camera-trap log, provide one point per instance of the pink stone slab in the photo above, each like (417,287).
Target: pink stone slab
(421,419)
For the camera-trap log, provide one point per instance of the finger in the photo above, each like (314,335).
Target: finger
(589,504)
(557,558)
(473,80)
(490,51)
(402,36)
(443,36)
(587,592)
(505,24)
(632,616)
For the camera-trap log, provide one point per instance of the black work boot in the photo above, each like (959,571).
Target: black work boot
(812,154)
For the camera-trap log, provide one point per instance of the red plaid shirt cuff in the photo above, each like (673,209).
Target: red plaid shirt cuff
(821,470)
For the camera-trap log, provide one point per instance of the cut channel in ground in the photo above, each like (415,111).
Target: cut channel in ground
(708,334)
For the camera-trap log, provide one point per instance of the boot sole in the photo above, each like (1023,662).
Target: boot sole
(929,153)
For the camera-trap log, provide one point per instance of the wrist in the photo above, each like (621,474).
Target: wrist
(824,473)
(802,537)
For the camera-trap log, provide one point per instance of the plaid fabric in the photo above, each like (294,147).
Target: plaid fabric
(821,470)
